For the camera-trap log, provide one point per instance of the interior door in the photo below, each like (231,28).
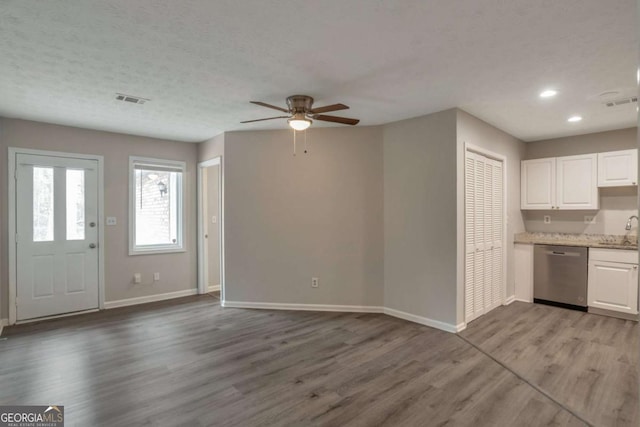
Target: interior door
(484,223)
(57,235)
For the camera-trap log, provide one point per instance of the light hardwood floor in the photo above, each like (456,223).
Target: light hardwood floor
(587,362)
(190,362)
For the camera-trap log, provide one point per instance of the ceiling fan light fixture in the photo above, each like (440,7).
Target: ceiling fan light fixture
(299,123)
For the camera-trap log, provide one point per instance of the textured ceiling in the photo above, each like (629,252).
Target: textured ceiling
(201,61)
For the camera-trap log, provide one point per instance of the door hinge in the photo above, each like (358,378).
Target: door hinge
(16,237)
(16,301)
(15,174)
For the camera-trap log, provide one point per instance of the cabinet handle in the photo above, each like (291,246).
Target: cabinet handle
(635,267)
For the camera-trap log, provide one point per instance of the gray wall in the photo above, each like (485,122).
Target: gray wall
(211,148)
(177,271)
(622,139)
(616,204)
(420,216)
(474,131)
(213,241)
(288,219)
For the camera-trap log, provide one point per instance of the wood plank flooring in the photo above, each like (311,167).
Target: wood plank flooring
(190,362)
(588,363)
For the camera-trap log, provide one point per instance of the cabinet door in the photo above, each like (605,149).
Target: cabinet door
(618,168)
(576,182)
(538,184)
(613,286)
(523,272)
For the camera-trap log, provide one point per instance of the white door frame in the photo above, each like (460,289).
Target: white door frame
(13,259)
(503,159)
(202,262)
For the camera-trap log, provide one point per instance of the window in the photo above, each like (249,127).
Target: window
(156,190)
(42,204)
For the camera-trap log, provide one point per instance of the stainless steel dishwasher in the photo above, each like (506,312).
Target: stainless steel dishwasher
(560,276)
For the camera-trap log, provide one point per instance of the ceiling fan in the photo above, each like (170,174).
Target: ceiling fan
(301,112)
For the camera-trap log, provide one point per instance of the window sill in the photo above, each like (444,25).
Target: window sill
(133,252)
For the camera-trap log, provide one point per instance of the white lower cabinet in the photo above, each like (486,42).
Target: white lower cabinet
(523,266)
(613,280)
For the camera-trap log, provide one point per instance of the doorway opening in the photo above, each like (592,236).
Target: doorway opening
(210,228)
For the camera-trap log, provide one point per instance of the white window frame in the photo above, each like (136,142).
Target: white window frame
(156,249)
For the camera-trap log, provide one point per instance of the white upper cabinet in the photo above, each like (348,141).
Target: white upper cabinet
(618,168)
(538,184)
(577,182)
(567,183)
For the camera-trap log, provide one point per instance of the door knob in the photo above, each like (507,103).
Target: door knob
(92,245)
(92,224)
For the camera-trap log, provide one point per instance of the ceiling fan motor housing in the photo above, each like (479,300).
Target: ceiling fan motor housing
(299,104)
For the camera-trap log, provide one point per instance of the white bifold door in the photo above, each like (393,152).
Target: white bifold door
(484,229)
(57,235)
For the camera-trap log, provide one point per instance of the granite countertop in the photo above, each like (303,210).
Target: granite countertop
(607,241)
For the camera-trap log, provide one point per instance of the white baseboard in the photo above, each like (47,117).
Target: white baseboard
(213,288)
(421,320)
(523,300)
(303,307)
(149,298)
(461,327)
(347,309)
(509,300)
(3,323)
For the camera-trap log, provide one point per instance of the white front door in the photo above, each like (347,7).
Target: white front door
(57,235)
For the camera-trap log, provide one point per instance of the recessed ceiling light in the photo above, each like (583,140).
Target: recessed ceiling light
(574,119)
(548,93)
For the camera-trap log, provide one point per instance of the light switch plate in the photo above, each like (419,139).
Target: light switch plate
(111,220)
(214,219)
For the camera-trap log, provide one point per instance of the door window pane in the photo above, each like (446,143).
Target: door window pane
(75,204)
(42,204)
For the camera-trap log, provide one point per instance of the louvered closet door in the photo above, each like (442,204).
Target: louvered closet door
(497,230)
(470,237)
(483,235)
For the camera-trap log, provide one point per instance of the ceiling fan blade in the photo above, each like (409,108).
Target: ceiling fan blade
(343,120)
(269,106)
(329,108)
(268,118)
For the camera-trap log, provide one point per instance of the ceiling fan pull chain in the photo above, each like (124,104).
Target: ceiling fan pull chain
(305,141)
(294,142)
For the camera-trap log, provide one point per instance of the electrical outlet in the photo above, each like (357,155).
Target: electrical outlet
(315,282)
(137,278)
(156,277)
(547,219)
(589,219)
(111,220)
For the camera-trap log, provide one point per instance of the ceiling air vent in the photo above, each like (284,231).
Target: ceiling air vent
(130,98)
(621,101)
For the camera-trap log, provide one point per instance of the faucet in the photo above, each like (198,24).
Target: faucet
(628,226)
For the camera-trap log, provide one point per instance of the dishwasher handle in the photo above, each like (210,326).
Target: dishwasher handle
(562,253)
